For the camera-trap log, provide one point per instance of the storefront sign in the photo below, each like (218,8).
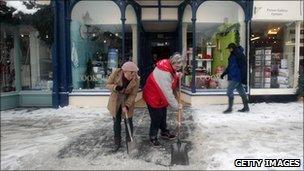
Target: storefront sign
(278,10)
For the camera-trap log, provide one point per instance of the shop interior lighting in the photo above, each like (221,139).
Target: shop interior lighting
(274,30)
(254,38)
(289,43)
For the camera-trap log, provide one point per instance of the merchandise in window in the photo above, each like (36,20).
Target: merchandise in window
(7,68)
(186,80)
(301,63)
(272,54)
(212,54)
(128,41)
(36,61)
(95,54)
(213,32)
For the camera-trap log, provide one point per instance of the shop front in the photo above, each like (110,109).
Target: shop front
(26,60)
(104,34)
(207,29)
(92,38)
(276,46)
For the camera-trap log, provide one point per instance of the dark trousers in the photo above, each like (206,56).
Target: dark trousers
(158,121)
(117,125)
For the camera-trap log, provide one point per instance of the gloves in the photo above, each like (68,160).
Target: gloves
(222,76)
(118,88)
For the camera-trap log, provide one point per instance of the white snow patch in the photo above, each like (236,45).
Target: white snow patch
(20,7)
(269,130)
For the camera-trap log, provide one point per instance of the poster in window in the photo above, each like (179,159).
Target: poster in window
(258,57)
(257,63)
(268,57)
(259,52)
(257,74)
(267,51)
(267,63)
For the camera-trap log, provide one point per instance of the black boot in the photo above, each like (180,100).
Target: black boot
(230,103)
(245,103)
(117,144)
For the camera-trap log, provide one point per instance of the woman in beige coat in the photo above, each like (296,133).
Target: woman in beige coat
(124,84)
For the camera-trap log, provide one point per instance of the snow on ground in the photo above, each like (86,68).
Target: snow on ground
(268,131)
(82,138)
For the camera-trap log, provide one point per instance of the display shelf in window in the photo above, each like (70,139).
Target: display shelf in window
(263,67)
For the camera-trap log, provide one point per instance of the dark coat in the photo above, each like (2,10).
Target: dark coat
(237,66)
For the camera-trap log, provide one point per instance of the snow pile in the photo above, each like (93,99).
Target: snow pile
(20,7)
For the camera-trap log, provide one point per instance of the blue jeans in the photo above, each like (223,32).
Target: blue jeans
(232,85)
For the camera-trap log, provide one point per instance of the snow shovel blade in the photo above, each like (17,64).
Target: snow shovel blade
(131,148)
(179,154)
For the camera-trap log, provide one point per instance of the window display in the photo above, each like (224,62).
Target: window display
(212,55)
(94,56)
(272,55)
(213,32)
(186,81)
(131,34)
(96,43)
(301,62)
(7,68)
(36,61)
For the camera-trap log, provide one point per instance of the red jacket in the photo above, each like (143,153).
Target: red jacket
(153,93)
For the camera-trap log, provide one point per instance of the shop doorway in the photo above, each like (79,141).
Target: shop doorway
(159,51)
(158,40)
(161,46)
(154,47)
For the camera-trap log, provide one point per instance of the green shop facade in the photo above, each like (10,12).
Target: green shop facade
(92,38)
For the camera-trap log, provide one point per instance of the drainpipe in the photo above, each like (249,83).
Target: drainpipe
(60,89)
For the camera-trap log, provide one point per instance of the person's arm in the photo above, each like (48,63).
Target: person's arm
(226,70)
(110,83)
(131,97)
(164,81)
(224,73)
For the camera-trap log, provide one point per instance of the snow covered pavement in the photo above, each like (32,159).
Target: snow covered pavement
(81,138)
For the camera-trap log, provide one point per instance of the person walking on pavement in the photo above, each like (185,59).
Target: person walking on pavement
(237,75)
(124,84)
(158,94)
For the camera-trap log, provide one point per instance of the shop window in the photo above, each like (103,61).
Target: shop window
(187,38)
(301,63)
(187,79)
(7,67)
(36,61)
(131,35)
(272,54)
(218,24)
(95,43)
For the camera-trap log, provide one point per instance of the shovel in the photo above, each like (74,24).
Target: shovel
(179,154)
(131,145)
